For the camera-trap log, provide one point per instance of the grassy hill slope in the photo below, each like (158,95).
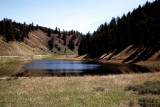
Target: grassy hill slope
(36,44)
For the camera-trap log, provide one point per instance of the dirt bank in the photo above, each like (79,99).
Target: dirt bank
(153,62)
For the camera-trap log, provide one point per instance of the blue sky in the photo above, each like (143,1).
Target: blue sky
(81,15)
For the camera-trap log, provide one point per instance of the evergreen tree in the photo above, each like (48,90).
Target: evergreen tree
(9,31)
(65,50)
(37,27)
(32,26)
(51,43)
(2,27)
(64,39)
(138,28)
(49,32)
(56,30)
(71,45)
(81,48)
(18,35)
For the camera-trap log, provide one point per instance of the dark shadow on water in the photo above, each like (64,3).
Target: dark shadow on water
(92,68)
(60,68)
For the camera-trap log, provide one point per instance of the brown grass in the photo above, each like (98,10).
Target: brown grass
(73,91)
(152,61)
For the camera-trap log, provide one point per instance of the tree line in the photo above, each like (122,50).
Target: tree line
(13,31)
(141,27)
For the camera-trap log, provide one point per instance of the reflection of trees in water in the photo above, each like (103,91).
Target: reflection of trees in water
(105,69)
(117,69)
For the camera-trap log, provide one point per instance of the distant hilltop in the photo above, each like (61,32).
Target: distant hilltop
(23,39)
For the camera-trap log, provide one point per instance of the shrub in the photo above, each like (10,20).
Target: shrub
(149,102)
(99,89)
(146,88)
(59,49)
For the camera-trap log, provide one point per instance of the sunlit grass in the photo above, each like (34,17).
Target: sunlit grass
(12,62)
(57,57)
(54,57)
(73,91)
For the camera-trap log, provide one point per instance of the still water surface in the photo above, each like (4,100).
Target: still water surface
(62,65)
(70,68)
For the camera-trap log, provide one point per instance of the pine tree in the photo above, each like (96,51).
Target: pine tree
(18,35)
(37,27)
(51,43)
(59,35)
(49,32)
(56,31)
(64,39)
(2,28)
(9,31)
(139,28)
(71,45)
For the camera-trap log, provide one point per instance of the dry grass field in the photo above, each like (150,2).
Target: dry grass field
(92,91)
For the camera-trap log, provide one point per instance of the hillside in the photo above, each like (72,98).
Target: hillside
(20,39)
(133,55)
(132,38)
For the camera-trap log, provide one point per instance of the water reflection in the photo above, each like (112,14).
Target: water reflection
(70,68)
(62,65)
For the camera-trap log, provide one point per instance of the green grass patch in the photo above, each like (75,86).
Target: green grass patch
(148,93)
(148,87)
(51,58)
(149,102)
(68,52)
(55,57)
(12,62)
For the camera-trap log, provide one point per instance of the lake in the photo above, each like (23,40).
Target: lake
(39,68)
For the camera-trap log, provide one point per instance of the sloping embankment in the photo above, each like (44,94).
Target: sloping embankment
(32,46)
(131,54)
